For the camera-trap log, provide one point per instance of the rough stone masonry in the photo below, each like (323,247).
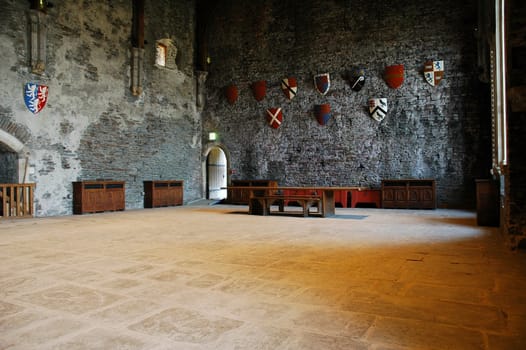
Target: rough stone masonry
(429,132)
(92,127)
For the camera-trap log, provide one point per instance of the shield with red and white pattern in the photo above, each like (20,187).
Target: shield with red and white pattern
(274,117)
(289,86)
(434,72)
(394,76)
(322,82)
(35,97)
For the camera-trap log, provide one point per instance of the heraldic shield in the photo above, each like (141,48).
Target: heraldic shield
(433,72)
(274,117)
(35,97)
(259,89)
(323,113)
(378,108)
(394,76)
(231,93)
(322,83)
(289,86)
(357,79)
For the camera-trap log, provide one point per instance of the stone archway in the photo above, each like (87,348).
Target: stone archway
(14,155)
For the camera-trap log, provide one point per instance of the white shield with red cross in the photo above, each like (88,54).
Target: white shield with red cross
(274,117)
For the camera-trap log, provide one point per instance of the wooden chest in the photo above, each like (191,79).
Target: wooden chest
(409,194)
(98,196)
(163,193)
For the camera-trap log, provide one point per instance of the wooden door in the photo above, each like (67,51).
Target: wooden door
(216,174)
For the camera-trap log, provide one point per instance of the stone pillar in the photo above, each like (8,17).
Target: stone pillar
(136,70)
(37,41)
(201,88)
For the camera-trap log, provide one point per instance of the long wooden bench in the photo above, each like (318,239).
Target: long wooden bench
(261,204)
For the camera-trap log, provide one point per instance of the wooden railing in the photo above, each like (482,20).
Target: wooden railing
(16,200)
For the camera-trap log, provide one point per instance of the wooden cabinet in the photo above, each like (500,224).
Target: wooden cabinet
(488,208)
(241,196)
(98,196)
(409,194)
(163,193)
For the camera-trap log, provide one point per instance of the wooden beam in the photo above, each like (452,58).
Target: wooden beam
(138,24)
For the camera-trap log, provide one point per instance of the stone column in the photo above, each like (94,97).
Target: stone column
(201,88)
(37,41)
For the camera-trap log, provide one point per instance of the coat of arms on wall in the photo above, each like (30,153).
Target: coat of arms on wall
(289,87)
(322,83)
(394,76)
(274,117)
(433,72)
(259,89)
(357,79)
(323,113)
(35,97)
(378,108)
(231,93)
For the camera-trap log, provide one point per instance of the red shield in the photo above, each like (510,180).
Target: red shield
(394,76)
(274,117)
(323,113)
(259,89)
(322,83)
(231,93)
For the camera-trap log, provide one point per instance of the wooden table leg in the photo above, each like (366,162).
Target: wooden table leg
(327,205)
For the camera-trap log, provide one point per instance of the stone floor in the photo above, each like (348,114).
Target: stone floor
(213,277)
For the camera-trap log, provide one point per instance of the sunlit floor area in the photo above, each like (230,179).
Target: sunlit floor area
(214,277)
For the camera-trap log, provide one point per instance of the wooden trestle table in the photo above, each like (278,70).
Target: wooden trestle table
(328,207)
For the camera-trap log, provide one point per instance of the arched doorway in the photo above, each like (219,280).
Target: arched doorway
(8,165)
(13,159)
(216,174)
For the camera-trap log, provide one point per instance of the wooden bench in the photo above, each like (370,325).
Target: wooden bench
(261,204)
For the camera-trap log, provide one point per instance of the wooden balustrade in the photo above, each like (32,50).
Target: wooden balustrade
(16,200)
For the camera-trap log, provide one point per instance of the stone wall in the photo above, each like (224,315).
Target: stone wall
(429,132)
(92,127)
(9,167)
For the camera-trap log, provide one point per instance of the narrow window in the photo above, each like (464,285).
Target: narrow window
(160,59)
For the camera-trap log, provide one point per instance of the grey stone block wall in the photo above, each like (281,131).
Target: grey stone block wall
(429,132)
(92,127)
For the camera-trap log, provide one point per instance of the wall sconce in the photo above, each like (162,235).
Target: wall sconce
(212,136)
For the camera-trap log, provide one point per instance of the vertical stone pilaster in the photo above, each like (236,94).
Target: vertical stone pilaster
(201,88)
(37,38)
(137,63)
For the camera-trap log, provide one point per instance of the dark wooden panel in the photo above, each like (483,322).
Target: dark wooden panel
(98,196)
(409,194)
(241,196)
(163,193)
